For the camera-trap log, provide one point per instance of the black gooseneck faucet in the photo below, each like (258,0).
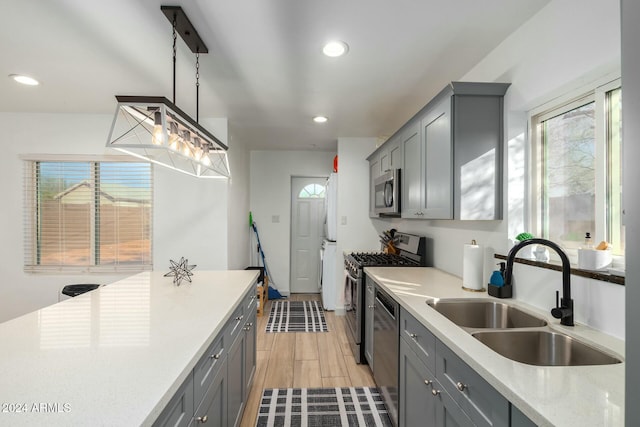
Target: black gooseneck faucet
(564,308)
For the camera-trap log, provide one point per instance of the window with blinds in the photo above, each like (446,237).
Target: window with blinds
(88,216)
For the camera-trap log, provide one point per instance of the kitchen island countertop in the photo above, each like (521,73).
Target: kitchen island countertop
(114,356)
(548,395)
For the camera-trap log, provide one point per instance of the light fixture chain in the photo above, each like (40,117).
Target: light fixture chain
(197,86)
(175,36)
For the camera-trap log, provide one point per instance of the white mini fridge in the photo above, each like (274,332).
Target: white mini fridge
(328,274)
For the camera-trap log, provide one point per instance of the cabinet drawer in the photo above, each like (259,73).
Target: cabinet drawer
(234,325)
(477,398)
(249,302)
(419,339)
(207,367)
(180,409)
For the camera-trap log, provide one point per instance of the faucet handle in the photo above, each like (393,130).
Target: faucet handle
(557,299)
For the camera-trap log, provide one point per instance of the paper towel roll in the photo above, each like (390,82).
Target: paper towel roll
(472,267)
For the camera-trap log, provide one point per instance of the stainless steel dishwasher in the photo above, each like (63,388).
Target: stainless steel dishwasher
(386,342)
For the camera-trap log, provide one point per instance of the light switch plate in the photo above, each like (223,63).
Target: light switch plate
(275,218)
(343,220)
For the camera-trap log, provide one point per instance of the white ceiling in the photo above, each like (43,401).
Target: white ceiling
(265,70)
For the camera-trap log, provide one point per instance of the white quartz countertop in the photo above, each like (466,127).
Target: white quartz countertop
(548,395)
(114,356)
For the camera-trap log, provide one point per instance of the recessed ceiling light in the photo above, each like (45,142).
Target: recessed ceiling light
(335,48)
(25,80)
(320,119)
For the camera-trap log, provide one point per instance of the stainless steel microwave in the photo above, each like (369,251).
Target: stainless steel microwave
(387,193)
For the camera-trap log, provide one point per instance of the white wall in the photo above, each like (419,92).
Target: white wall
(238,207)
(355,230)
(631,134)
(190,215)
(563,47)
(270,184)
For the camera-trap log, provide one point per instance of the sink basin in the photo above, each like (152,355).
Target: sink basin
(543,348)
(482,314)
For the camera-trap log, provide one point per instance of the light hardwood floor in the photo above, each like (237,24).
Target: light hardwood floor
(303,359)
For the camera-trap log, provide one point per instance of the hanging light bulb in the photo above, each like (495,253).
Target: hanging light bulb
(205,155)
(197,151)
(174,137)
(187,151)
(157,137)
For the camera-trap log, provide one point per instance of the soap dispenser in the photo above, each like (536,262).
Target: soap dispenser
(496,287)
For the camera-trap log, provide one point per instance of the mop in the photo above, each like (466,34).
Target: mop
(273,293)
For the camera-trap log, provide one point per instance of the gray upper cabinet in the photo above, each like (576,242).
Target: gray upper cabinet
(478,140)
(427,189)
(395,153)
(411,174)
(437,152)
(374,172)
(387,157)
(452,155)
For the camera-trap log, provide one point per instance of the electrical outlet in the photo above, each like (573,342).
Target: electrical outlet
(275,218)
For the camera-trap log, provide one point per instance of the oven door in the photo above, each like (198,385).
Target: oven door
(353,300)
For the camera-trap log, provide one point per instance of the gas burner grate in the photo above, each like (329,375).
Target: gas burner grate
(372,259)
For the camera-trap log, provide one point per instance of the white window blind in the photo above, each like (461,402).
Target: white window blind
(88,216)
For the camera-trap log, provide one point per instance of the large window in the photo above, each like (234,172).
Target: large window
(88,216)
(579,170)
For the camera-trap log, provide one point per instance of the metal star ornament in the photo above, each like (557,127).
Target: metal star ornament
(180,271)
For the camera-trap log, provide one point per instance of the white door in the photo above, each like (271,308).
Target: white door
(307,211)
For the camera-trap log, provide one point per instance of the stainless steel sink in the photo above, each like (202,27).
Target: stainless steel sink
(543,348)
(481,314)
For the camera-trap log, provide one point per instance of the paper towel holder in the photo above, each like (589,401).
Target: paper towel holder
(464,288)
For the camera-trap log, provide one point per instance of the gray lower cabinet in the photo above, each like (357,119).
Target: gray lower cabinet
(213,408)
(217,388)
(250,352)
(518,419)
(417,407)
(370,298)
(484,405)
(437,386)
(235,372)
(179,411)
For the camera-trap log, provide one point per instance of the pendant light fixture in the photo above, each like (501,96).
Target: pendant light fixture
(153,128)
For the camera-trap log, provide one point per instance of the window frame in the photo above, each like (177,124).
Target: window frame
(30,220)
(596,92)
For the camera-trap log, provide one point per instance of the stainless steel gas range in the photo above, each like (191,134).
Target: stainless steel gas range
(411,253)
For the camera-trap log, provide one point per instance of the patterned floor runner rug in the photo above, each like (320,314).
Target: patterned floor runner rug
(296,316)
(326,407)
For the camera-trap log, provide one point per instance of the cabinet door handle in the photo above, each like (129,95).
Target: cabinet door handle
(461,386)
(372,306)
(413,336)
(216,356)
(435,392)
(239,317)
(428,382)
(202,419)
